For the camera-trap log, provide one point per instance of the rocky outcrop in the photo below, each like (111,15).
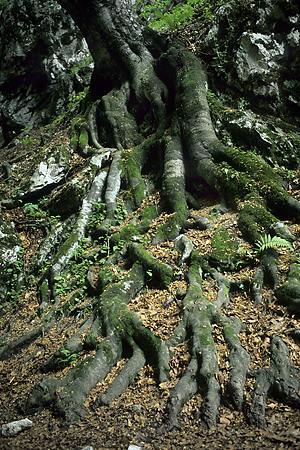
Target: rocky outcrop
(44,61)
(254,47)
(10,246)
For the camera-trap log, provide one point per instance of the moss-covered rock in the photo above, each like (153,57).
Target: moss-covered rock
(289,292)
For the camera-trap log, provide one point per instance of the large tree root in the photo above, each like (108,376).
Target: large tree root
(198,316)
(278,380)
(117,320)
(118,133)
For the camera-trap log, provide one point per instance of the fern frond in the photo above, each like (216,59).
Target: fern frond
(267,241)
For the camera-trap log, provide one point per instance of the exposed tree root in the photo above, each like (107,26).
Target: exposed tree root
(267,273)
(278,380)
(150,114)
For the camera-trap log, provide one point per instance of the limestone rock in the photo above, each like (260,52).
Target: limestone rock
(51,171)
(254,48)
(45,57)
(10,245)
(13,428)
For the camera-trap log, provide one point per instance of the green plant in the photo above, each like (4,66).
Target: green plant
(150,273)
(121,212)
(68,357)
(267,241)
(33,210)
(82,64)
(215,104)
(57,120)
(118,247)
(16,192)
(161,14)
(98,215)
(15,287)
(28,140)
(54,220)
(76,98)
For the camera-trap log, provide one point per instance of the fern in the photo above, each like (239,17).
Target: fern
(267,241)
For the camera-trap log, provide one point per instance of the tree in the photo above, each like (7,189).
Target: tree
(147,112)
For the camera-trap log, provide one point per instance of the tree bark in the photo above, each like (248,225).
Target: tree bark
(147,108)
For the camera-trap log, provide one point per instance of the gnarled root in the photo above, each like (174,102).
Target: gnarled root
(278,380)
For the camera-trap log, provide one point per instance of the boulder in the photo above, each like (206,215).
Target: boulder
(44,61)
(254,48)
(50,172)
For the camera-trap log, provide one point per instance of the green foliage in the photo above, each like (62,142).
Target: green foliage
(109,275)
(33,210)
(75,100)
(68,357)
(215,104)
(267,241)
(121,212)
(98,215)
(82,64)
(76,273)
(161,14)
(28,140)
(118,247)
(15,269)
(164,14)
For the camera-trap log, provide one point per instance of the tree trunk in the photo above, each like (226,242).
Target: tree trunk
(147,112)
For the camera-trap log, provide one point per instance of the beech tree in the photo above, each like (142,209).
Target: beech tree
(147,112)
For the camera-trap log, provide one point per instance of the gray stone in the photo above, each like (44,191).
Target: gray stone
(134,447)
(279,229)
(293,38)
(51,171)
(13,428)
(266,136)
(184,247)
(256,58)
(257,55)
(44,55)
(137,407)
(10,245)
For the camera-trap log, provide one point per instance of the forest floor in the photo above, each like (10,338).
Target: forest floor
(135,416)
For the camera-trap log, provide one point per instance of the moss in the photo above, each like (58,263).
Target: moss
(241,174)
(289,292)
(225,249)
(107,351)
(171,228)
(44,290)
(125,234)
(150,344)
(254,218)
(66,246)
(83,137)
(195,267)
(201,261)
(161,272)
(132,174)
(149,212)
(75,127)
